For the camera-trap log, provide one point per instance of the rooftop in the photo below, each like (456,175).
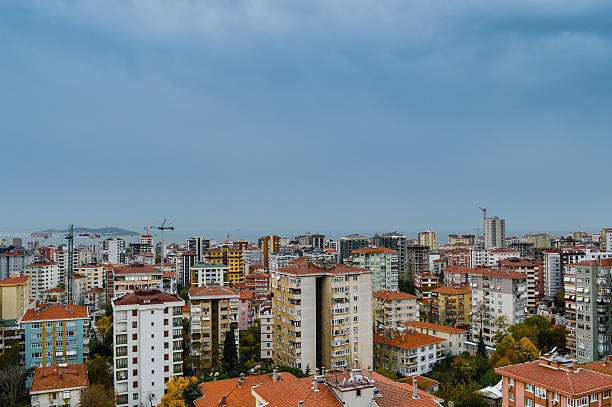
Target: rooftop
(394,295)
(58,378)
(567,380)
(14,280)
(452,290)
(212,291)
(308,268)
(146,297)
(373,249)
(136,269)
(50,312)
(500,273)
(436,327)
(405,339)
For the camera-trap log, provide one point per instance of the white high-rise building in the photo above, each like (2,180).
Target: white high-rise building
(495,232)
(147,337)
(111,250)
(44,276)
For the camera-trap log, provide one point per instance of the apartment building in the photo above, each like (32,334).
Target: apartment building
(454,338)
(553,380)
(95,273)
(58,386)
(281,259)
(232,258)
(269,245)
(555,261)
(588,289)
(209,274)
(198,245)
(214,311)
(351,242)
(426,281)
(253,256)
(14,301)
(323,316)
(461,240)
(247,311)
(494,232)
(13,262)
(147,337)
(393,308)
(44,276)
(457,276)
(394,241)
(497,255)
(94,298)
(266,329)
(383,263)
(429,239)
(407,352)
(459,257)
(496,293)
(451,306)
(111,250)
(417,261)
(127,279)
(539,241)
(259,284)
(55,334)
(535,278)
(605,239)
(61,257)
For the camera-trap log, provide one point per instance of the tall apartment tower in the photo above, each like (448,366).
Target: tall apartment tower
(429,239)
(147,337)
(588,308)
(198,245)
(269,245)
(350,243)
(605,239)
(214,312)
(383,263)
(394,241)
(323,316)
(494,232)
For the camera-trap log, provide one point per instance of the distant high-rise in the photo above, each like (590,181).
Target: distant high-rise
(350,243)
(495,232)
(429,239)
(394,241)
(269,245)
(198,245)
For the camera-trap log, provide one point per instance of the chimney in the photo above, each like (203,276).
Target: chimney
(300,403)
(315,384)
(223,399)
(451,404)
(415,389)
(370,374)
(241,380)
(274,374)
(574,365)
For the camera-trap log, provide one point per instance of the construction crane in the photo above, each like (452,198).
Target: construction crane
(484,212)
(70,238)
(161,228)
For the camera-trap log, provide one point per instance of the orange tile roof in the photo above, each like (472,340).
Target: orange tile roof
(452,290)
(236,396)
(459,270)
(377,249)
(504,251)
(168,274)
(257,275)
(246,295)
(303,269)
(437,327)
(404,339)
(212,290)
(330,250)
(393,295)
(95,290)
(90,266)
(41,264)
(500,273)
(77,275)
(562,380)
(600,366)
(54,312)
(519,263)
(600,263)
(136,269)
(14,280)
(422,381)
(58,378)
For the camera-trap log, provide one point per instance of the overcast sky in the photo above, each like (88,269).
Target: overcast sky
(306,115)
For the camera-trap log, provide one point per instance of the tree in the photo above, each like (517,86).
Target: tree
(175,390)
(230,355)
(559,302)
(464,368)
(98,371)
(183,295)
(104,325)
(481,348)
(525,351)
(97,396)
(108,309)
(100,348)
(407,286)
(192,392)
(187,359)
(479,309)
(13,388)
(501,328)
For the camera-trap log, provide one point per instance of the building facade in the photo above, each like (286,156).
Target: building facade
(383,263)
(44,276)
(406,351)
(350,243)
(494,232)
(393,308)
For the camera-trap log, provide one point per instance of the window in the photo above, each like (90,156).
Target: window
(528,403)
(511,381)
(606,394)
(134,313)
(540,392)
(358,393)
(511,396)
(134,324)
(135,396)
(529,387)
(594,397)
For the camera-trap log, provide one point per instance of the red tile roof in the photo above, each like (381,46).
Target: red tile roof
(246,295)
(136,269)
(144,297)
(500,273)
(394,295)
(236,396)
(562,380)
(257,275)
(600,263)
(437,327)
(14,280)
(459,270)
(58,378)
(212,291)
(404,339)
(452,290)
(304,269)
(168,274)
(48,312)
(373,250)
(41,264)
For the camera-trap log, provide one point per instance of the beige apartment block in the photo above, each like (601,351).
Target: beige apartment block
(323,316)
(393,308)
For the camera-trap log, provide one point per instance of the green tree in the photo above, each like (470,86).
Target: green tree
(464,368)
(104,325)
(183,295)
(108,309)
(192,392)
(407,286)
(97,396)
(525,351)
(481,348)
(501,328)
(98,371)
(229,361)
(186,343)
(13,390)
(559,302)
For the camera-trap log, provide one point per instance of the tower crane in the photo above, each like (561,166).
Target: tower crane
(169,226)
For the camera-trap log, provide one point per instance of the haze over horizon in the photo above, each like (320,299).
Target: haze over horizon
(266,116)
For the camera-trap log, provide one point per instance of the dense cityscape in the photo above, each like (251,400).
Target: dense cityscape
(386,320)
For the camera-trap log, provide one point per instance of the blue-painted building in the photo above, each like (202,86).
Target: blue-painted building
(55,334)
